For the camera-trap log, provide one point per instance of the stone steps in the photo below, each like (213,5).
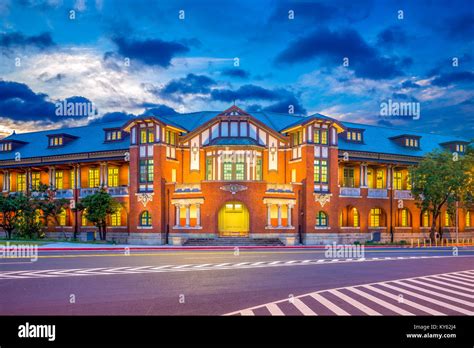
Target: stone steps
(233,241)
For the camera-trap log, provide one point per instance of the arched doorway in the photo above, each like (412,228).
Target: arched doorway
(233,220)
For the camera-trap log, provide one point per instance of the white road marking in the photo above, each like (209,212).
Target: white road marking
(328,304)
(355,303)
(274,309)
(379,301)
(303,308)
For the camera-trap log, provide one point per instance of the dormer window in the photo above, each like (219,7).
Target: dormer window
(5,147)
(460,148)
(113,135)
(410,142)
(407,140)
(354,135)
(56,141)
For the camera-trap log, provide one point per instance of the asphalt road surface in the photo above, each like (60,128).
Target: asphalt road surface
(388,281)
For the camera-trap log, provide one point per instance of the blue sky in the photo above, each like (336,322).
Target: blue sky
(132,57)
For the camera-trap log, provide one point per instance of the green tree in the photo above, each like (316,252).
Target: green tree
(97,207)
(441,179)
(10,208)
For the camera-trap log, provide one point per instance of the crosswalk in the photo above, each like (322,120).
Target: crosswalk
(52,273)
(438,294)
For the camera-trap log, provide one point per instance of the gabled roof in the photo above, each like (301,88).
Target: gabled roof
(90,138)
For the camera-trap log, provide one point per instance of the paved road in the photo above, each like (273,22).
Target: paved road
(262,282)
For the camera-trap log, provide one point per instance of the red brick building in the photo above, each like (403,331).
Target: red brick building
(233,173)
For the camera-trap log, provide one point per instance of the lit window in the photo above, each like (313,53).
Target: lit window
(35,180)
(62,218)
(6,147)
(147,135)
(447,219)
(258,169)
(397,180)
(355,215)
(348,177)
(227,171)
(21,182)
(56,141)
(145,219)
(113,177)
(94,177)
(113,135)
(170,138)
(116,218)
(296,138)
(317,137)
(239,171)
(324,137)
(73,179)
(59,180)
(375,217)
(468,219)
(379,180)
(321,219)
(404,218)
(209,168)
(321,171)
(426,219)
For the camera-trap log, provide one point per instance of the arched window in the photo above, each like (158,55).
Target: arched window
(468,219)
(145,219)
(321,219)
(116,218)
(375,217)
(447,219)
(355,217)
(405,218)
(62,217)
(425,219)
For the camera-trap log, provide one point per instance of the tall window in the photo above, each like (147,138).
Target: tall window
(317,136)
(146,171)
(62,218)
(258,169)
(468,219)
(73,178)
(145,219)
(209,168)
(170,138)
(59,180)
(147,135)
(227,170)
(35,180)
(116,218)
(425,219)
(397,180)
(113,177)
(321,171)
(296,138)
(240,171)
(321,219)
(375,217)
(21,182)
(324,137)
(404,218)
(370,177)
(379,178)
(447,219)
(355,217)
(94,177)
(348,177)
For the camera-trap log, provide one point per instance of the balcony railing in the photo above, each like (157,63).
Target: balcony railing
(88,191)
(64,194)
(377,193)
(280,188)
(403,194)
(186,188)
(349,192)
(118,191)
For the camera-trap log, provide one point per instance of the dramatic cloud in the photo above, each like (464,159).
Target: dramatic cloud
(151,52)
(17,39)
(191,84)
(113,117)
(236,72)
(160,110)
(453,78)
(335,46)
(19,103)
(391,36)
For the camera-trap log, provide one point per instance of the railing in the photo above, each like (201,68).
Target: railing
(279,188)
(349,191)
(64,194)
(377,193)
(88,191)
(118,191)
(187,188)
(403,194)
